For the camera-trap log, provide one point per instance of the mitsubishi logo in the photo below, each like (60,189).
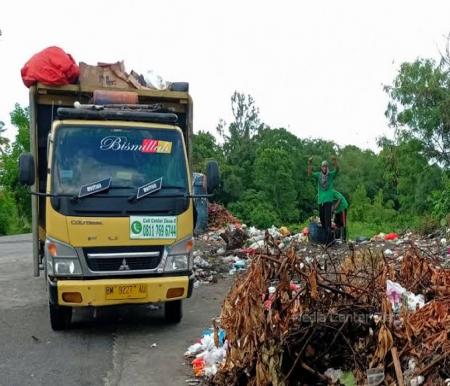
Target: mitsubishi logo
(124,266)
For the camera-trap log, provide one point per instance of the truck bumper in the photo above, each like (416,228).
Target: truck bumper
(108,292)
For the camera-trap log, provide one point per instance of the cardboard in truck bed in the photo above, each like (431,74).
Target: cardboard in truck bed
(105,75)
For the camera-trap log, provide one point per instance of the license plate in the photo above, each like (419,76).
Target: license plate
(125,291)
(149,227)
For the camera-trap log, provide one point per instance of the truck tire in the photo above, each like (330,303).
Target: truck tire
(60,317)
(173,311)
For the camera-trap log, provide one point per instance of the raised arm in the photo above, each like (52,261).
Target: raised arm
(309,166)
(335,163)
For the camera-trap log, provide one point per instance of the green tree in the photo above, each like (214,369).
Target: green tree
(9,223)
(239,146)
(204,148)
(274,176)
(360,204)
(419,106)
(441,200)
(9,173)
(409,178)
(359,167)
(255,209)
(3,140)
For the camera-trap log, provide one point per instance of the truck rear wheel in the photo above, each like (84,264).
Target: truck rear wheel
(173,311)
(60,317)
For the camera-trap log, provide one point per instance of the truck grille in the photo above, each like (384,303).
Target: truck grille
(123,258)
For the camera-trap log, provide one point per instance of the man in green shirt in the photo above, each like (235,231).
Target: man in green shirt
(340,214)
(325,188)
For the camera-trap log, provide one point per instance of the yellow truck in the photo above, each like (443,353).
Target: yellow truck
(112,202)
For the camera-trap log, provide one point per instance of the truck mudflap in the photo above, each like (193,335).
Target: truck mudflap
(106,292)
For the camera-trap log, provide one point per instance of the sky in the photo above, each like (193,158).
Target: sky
(315,68)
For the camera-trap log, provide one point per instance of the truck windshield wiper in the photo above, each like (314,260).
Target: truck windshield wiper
(94,187)
(148,188)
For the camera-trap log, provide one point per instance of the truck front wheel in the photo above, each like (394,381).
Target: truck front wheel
(173,311)
(60,317)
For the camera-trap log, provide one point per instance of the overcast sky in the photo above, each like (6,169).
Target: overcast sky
(316,68)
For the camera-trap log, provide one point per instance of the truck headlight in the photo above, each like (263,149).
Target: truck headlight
(62,259)
(179,257)
(177,263)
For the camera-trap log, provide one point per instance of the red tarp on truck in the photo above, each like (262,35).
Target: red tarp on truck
(51,66)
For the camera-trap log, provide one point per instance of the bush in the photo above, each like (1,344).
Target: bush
(9,223)
(427,225)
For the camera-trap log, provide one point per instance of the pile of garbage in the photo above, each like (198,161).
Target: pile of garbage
(298,322)
(367,313)
(219,217)
(229,246)
(209,351)
(53,66)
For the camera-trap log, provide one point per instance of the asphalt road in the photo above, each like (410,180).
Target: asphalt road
(105,346)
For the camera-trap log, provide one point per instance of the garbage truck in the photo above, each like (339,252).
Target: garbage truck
(112,200)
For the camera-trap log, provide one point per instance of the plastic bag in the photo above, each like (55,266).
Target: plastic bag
(51,66)
(155,81)
(394,292)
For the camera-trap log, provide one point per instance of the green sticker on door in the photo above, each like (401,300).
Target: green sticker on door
(151,227)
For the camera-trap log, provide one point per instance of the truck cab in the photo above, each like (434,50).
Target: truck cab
(113,213)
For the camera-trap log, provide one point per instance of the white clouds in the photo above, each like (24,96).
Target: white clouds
(315,67)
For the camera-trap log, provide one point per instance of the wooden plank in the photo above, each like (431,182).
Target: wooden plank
(77,88)
(397,366)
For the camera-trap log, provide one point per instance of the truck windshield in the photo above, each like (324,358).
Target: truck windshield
(130,156)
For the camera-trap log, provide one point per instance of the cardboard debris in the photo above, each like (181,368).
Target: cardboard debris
(112,75)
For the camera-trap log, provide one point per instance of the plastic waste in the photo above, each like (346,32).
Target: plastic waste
(273,231)
(257,245)
(198,365)
(345,378)
(221,251)
(208,356)
(391,236)
(50,66)
(333,374)
(394,292)
(252,231)
(380,236)
(388,252)
(193,349)
(210,332)
(284,231)
(412,301)
(375,376)
(398,295)
(155,81)
(294,287)
(416,381)
(268,302)
(240,265)
(200,262)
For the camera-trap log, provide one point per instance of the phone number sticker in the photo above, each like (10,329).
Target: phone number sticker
(148,227)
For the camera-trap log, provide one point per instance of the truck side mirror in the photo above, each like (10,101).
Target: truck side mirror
(26,169)
(212,175)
